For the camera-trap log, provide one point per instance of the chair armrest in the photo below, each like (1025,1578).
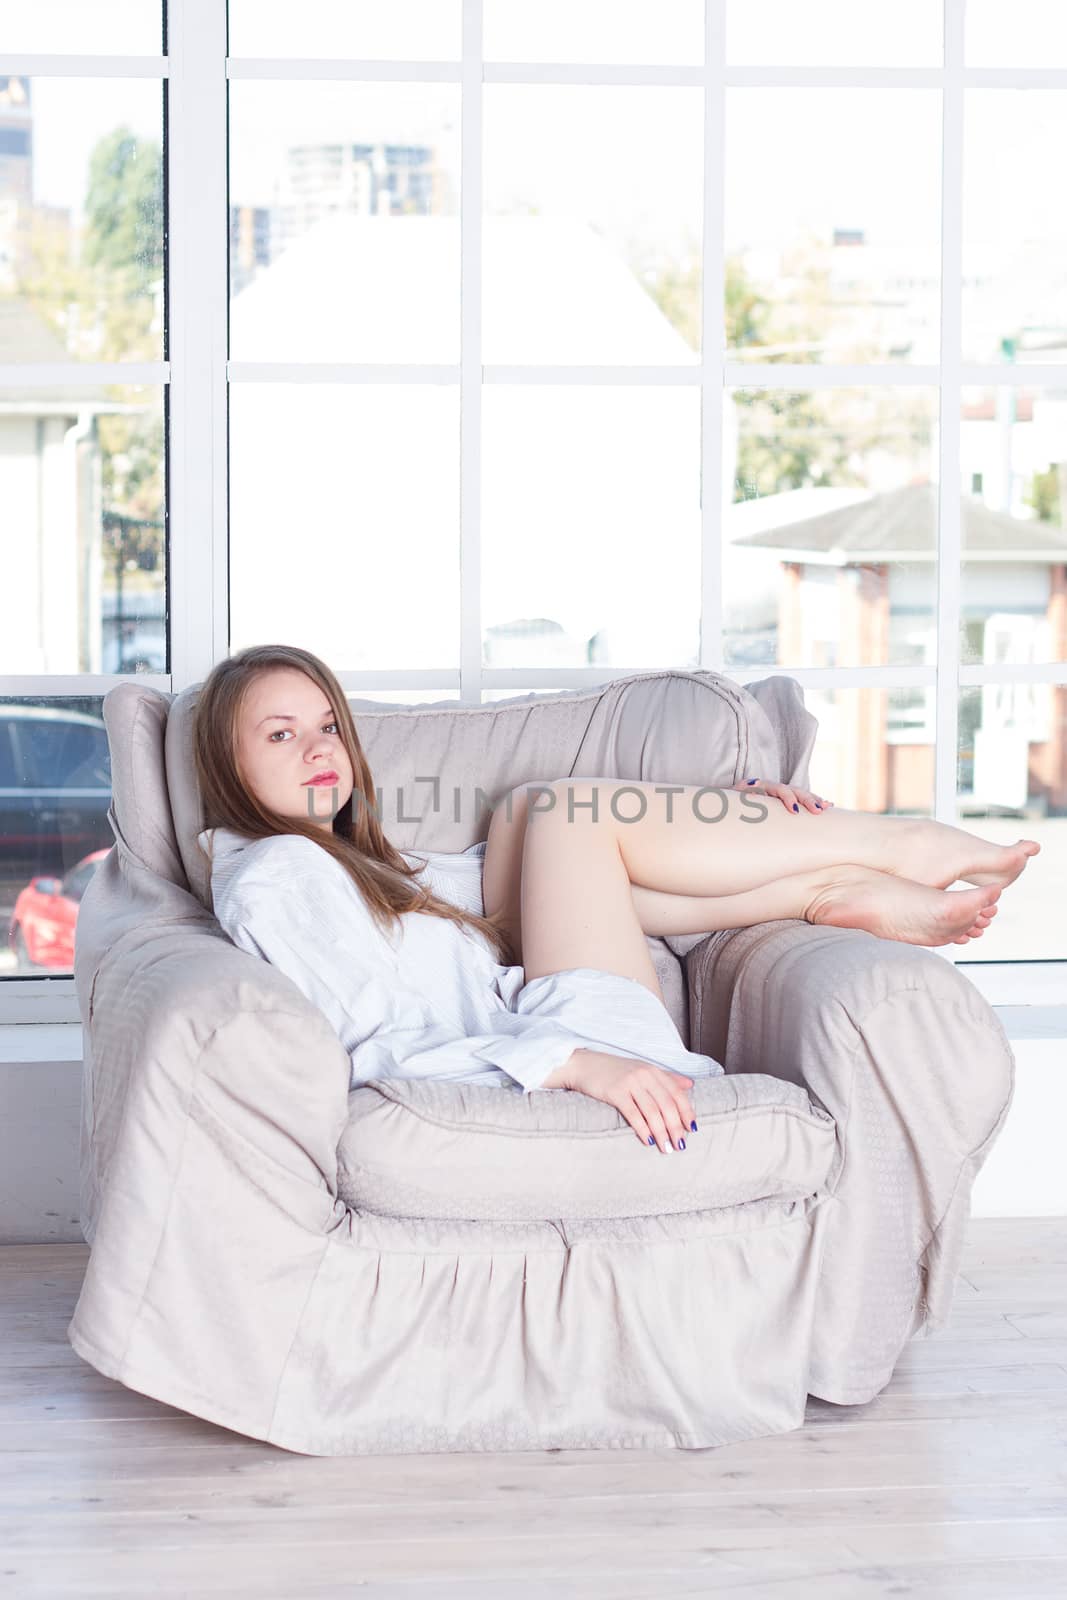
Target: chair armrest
(180,1021)
(913,1065)
(215,1098)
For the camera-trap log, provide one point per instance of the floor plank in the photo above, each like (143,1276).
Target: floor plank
(951,1482)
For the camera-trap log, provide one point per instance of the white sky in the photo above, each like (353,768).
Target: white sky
(810,32)
(626,159)
(589,151)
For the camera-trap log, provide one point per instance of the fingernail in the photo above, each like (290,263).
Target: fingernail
(795,806)
(651,1140)
(693,1126)
(818,807)
(681,1144)
(751,780)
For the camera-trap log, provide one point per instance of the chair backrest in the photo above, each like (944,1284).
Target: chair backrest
(441,768)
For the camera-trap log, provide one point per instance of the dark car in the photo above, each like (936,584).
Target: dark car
(41,931)
(55,790)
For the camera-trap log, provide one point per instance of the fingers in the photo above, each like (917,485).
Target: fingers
(665,1110)
(633,1114)
(657,1106)
(792,798)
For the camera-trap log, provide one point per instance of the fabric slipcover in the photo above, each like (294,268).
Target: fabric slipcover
(441,1266)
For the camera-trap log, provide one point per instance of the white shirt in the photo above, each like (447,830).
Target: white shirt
(430,999)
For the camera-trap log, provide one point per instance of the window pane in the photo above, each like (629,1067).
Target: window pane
(874,750)
(831,33)
(344,530)
(614,31)
(1014,526)
(344,222)
(1014,240)
(399,30)
(1012,785)
(833,224)
(1028,33)
(591,248)
(370,698)
(590,526)
(81,219)
(493,696)
(83,27)
(82,490)
(55,789)
(830,537)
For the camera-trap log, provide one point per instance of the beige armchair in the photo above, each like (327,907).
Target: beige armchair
(437,1266)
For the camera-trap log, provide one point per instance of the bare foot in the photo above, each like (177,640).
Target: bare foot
(1014,858)
(897,908)
(937,854)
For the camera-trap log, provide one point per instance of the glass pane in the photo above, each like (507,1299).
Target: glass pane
(830,538)
(833,223)
(1028,33)
(344,221)
(590,526)
(399,30)
(874,750)
(496,696)
(614,31)
(1014,240)
(591,249)
(81,219)
(344,527)
(1014,527)
(55,789)
(833,33)
(1013,785)
(84,564)
(83,27)
(369,698)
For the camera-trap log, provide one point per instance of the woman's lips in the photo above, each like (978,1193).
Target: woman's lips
(320,778)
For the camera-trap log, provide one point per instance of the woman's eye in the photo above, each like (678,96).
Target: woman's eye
(270,736)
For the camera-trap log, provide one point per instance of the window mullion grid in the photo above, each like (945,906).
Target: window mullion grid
(714,494)
(197,314)
(470,360)
(946,722)
(198,292)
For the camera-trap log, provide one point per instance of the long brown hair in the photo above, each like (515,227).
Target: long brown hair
(357,841)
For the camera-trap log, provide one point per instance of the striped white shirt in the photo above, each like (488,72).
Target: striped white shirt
(430,999)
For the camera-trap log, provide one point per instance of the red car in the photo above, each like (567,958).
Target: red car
(42,923)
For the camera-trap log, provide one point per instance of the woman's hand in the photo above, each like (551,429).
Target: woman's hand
(790,796)
(654,1102)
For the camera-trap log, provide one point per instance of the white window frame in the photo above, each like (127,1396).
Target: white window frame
(196,70)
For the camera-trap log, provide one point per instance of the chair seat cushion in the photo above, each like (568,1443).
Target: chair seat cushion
(424,1148)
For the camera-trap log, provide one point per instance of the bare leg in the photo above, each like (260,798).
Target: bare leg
(661,914)
(686,839)
(580,867)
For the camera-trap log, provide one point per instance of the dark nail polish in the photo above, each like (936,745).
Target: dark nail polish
(818,807)
(651,1140)
(693,1126)
(681,1144)
(751,780)
(796,807)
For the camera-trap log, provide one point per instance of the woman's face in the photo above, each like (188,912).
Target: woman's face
(287,736)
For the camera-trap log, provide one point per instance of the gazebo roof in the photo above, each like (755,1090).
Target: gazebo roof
(901,524)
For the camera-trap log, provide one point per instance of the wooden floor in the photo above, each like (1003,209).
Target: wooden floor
(952,1482)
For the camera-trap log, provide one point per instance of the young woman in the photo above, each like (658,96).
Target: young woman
(524,963)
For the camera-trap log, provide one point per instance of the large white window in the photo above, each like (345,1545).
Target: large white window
(486,347)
